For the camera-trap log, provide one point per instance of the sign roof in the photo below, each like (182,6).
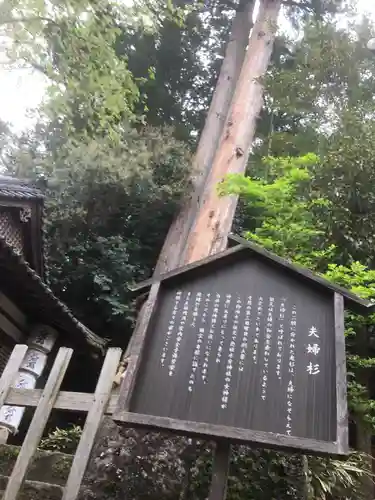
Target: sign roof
(352,300)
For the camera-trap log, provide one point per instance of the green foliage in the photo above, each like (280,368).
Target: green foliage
(91,91)
(259,474)
(98,91)
(287,212)
(338,479)
(108,209)
(62,440)
(72,43)
(356,277)
(184,59)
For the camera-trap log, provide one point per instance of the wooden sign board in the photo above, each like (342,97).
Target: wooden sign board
(245,349)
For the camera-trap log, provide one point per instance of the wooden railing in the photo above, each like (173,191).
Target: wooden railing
(49,398)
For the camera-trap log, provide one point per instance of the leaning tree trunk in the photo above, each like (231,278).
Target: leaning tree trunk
(172,254)
(215,218)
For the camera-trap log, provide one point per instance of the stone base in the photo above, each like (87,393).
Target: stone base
(46,467)
(35,490)
(45,478)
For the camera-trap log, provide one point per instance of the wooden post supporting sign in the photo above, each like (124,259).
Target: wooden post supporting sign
(220,470)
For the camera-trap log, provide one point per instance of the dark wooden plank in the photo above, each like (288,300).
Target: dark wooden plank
(38,424)
(341,398)
(220,471)
(208,431)
(16,203)
(11,329)
(135,356)
(69,401)
(11,370)
(38,253)
(102,394)
(13,311)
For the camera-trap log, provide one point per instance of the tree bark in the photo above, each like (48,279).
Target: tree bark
(173,251)
(214,219)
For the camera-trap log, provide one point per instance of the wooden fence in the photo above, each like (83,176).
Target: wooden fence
(44,400)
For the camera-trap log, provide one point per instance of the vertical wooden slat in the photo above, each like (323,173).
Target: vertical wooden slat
(101,398)
(13,312)
(11,370)
(341,398)
(38,423)
(220,471)
(11,329)
(7,378)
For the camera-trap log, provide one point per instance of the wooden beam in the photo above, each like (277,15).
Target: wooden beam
(214,431)
(354,301)
(13,311)
(11,329)
(68,401)
(220,471)
(10,371)
(38,424)
(86,443)
(341,398)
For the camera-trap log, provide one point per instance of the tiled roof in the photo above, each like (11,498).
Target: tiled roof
(18,189)
(37,300)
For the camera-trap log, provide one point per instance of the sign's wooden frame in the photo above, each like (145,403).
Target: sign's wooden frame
(124,415)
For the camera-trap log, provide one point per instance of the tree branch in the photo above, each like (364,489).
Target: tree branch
(27,20)
(28,65)
(293,3)
(40,68)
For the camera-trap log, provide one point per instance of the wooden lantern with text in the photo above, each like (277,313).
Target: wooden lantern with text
(242,346)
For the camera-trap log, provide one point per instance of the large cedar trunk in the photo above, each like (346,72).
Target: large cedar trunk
(173,250)
(215,217)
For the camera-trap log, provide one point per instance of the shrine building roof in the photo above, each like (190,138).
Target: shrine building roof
(22,272)
(13,188)
(26,288)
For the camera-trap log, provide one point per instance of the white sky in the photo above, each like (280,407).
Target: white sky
(21,91)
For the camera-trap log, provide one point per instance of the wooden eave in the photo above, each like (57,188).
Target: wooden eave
(31,294)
